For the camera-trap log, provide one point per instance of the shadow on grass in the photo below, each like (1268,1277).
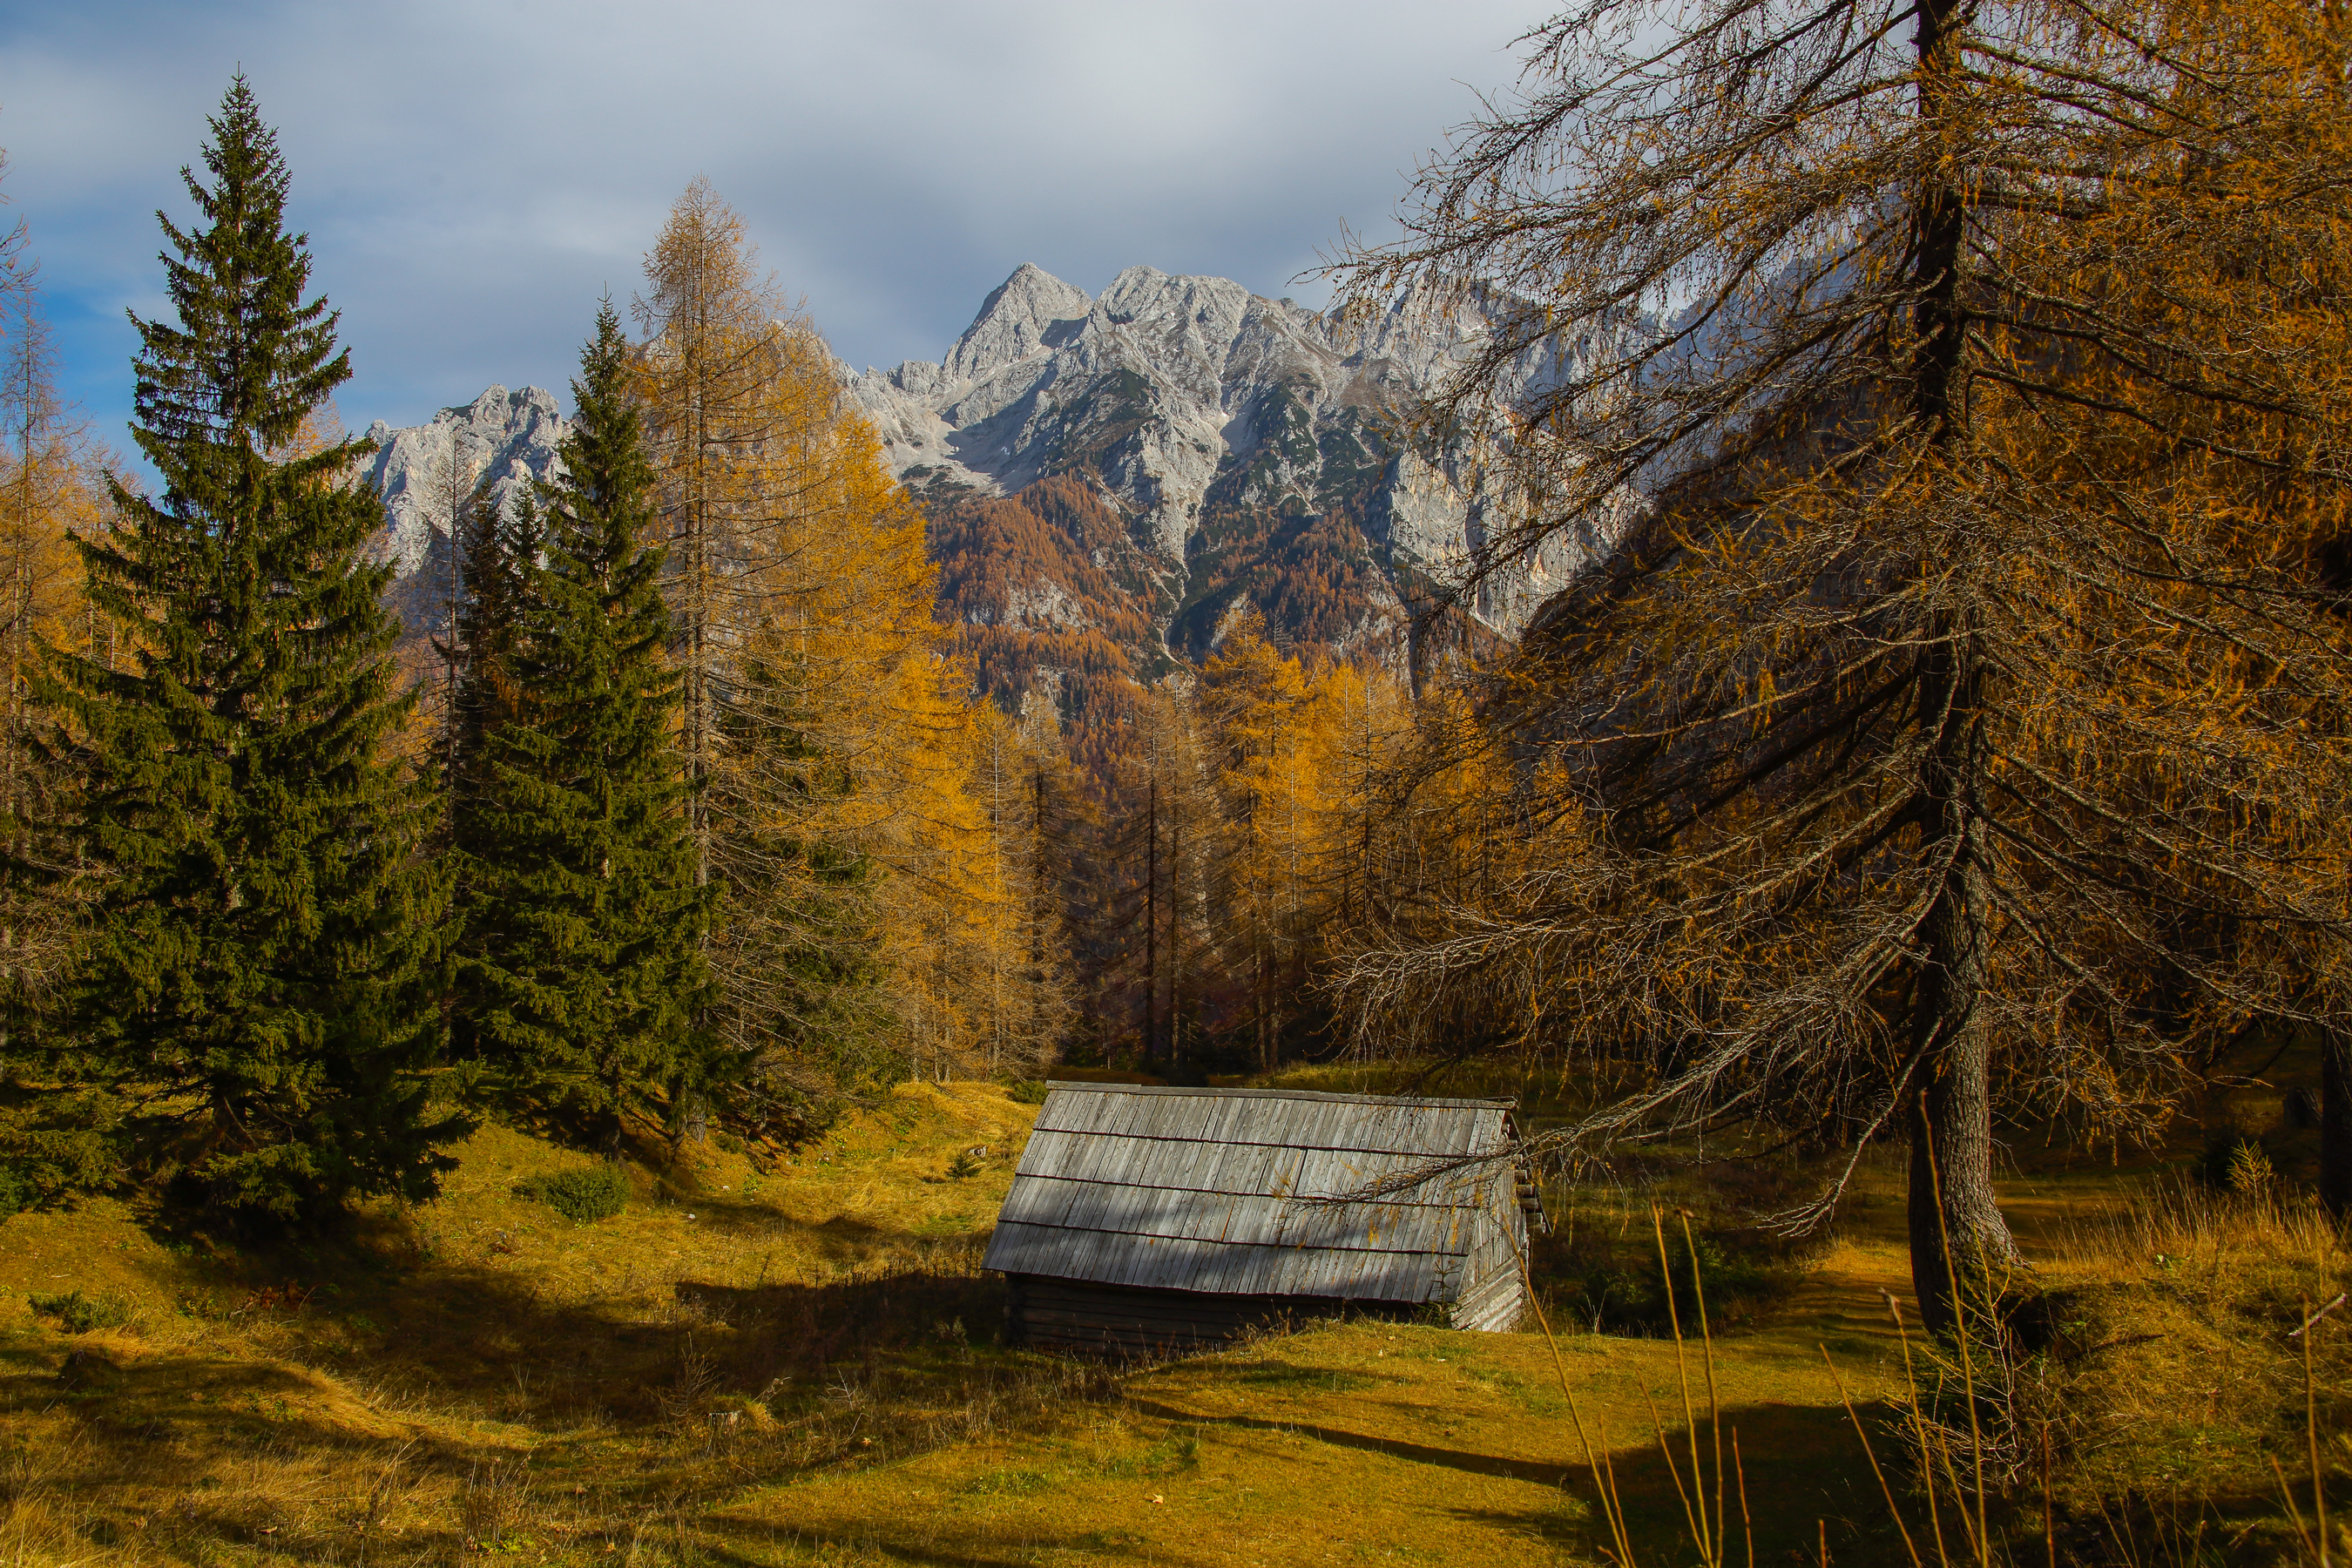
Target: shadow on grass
(475,1341)
(1798,1474)
(193,1441)
(487,1336)
(1803,1465)
(1509,1466)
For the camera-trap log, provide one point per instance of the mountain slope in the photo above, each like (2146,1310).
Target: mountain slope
(1112,481)
(1248,445)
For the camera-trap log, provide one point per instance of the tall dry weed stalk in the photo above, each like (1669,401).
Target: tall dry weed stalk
(1703,1501)
(496,1498)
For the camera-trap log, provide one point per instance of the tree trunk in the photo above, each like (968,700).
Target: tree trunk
(1151,923)
(1957,1232)
(1175,948)
(2334,1124)
(1951,1116)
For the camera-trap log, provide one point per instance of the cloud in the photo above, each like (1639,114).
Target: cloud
(474,175)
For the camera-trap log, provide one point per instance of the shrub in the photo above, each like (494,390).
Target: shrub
(1611,1281)
(2236,1162)
(78,1314)
(1026,1090)
(584,1196)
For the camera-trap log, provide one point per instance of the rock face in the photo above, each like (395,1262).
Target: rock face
(512,436)
(1113,483)
(1249,444)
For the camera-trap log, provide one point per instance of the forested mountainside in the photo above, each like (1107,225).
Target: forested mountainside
(1048,594)
(1111,483)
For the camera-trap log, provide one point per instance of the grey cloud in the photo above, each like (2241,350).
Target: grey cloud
(473,175)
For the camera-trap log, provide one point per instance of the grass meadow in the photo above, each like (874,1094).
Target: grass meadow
(796,1360)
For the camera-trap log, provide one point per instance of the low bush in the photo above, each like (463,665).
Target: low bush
(1608,1279)
(79,1314)
(583,1195)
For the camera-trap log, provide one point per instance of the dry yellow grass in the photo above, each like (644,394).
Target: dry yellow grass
(799,1367)
(2179,1310)
(300,1407)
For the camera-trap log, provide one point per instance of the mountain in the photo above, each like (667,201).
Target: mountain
(510,436)
(1112,483)
(1248,446)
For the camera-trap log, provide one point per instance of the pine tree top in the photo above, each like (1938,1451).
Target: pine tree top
(605,454)
(250,358)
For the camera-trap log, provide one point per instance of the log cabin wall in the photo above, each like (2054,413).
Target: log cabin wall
(1076,1317)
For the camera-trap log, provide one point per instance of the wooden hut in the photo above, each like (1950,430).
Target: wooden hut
(1150,1219)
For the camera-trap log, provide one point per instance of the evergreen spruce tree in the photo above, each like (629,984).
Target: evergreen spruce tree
(256,976)
(499,554)
(583,979)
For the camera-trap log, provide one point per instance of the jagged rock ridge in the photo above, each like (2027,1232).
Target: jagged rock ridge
(509,436)
(1250,444)
(1210,450)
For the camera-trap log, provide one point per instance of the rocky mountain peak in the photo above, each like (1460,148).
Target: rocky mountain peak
(1227,429)
(1185,458)
(1143,470)
(1017,319)
(510,438)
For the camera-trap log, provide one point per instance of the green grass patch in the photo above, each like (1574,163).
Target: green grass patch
(1178,1452)
(1303,1379)
(1007,1483)
(79,1314)
(583,1196)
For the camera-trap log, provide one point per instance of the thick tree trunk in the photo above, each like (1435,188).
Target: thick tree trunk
(1955,1218)
(1957,1232)
(2335,1124)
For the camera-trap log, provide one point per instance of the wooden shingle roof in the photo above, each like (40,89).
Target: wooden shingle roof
(1217,1190)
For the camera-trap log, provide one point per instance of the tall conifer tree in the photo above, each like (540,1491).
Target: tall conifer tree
(257,970)
(497,549)
(584,978)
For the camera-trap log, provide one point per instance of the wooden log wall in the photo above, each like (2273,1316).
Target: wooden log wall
(1074,1317)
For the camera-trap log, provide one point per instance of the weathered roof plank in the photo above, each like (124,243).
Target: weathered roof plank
(1249,1191)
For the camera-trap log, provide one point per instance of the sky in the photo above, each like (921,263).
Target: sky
(474,176)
